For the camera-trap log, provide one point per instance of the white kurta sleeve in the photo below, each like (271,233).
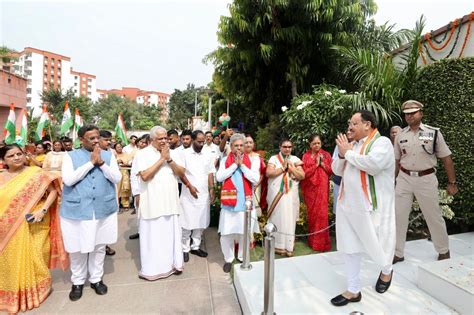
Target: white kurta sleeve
(134,178)
(178,157)
(224,173)
(71,176)
(337,166)
(380,157)
(252,173)
(112,172)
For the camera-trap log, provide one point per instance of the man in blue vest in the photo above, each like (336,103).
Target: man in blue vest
(89,210)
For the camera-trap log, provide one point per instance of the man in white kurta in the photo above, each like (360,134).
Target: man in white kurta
(161,254)
(365,221)
(231,220)
(88,210)
(196,197)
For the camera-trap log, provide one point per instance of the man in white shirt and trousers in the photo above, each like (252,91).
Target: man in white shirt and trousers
(89,209)
(238,175)
(196,199)
(161,254)
(365,221)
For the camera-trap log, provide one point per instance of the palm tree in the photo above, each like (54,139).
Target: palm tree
(382,84)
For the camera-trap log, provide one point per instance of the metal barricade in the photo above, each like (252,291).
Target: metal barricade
(247,233)
(269,269)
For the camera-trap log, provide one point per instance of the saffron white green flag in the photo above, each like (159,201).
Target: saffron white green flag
(120,132)
(42,124)
(78,123)
(67,121)
(24,129)
(9,132)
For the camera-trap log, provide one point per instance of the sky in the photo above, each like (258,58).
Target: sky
(157,45)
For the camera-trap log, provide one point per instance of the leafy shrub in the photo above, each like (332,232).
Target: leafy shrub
(446,88)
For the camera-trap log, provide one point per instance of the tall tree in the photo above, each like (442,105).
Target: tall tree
(181,105)
(271,50)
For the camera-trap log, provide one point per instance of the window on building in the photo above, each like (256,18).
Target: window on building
(28,91)
(89,86)
(75,83)
(28,99)
(89,93)
(75,78)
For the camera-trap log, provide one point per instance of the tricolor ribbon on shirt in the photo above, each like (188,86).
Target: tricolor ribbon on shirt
(369,188)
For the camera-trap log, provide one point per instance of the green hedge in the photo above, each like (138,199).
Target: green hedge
(446,89)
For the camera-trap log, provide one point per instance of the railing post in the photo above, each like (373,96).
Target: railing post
(246,250)
(269,269)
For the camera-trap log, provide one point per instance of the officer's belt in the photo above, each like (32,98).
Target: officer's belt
(417,173)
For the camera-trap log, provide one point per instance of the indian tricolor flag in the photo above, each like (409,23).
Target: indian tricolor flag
(67,122)
(78,123)
(42,124)
(9,132)
(24,128)
(120,131)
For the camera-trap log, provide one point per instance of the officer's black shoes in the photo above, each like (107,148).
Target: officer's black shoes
(227,267)
(340,300)
(186,257)
(444,256)
(397,259)
(76,292)
(382,286)
(100,288)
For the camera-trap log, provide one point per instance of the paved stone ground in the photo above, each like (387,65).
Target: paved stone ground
(203,288)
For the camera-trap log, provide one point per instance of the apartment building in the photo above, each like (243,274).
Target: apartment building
(12,91)
(42,69)
(85,85)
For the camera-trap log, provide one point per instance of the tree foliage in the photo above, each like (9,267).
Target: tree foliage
(446,88)
(181,105)
(270,50)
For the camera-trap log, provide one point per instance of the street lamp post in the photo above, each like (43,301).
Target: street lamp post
(209,93)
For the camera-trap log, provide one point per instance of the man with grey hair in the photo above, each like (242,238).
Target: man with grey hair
(161,254)
(238,175)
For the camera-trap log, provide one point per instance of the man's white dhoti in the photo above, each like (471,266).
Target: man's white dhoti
(161,254)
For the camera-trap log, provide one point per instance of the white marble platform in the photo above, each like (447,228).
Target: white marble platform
(305,284)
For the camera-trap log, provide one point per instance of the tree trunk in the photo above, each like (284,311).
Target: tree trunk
(294,91)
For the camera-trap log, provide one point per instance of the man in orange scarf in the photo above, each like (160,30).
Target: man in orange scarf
(238,175)
(365,221)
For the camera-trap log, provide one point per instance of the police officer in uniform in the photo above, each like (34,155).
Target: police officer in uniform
(417,148)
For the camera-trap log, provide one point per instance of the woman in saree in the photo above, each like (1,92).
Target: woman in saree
(54,159)
(27,249)
(315,187)
(124,188)
(284,171)
(38,157)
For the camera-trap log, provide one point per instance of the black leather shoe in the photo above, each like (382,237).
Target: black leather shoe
(382,286)
(199,252)
(340,300)
(109,251)
(178,272)
(186,257)
(444,256)
(76,292)
(227,267)
(397,259)
(134,236)
(100,288)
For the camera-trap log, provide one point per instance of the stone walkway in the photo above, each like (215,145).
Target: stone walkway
(203,288)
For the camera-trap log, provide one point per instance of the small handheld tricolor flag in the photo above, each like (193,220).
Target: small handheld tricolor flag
(24,128)
(67,121)
(78,123)
(42,124)
(120,132)
(9,132)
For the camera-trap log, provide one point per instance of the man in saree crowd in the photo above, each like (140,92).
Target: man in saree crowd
(284,172)
(161,253)
(105,143)
(30,245)
(238,174)
(365,221)
(197,198)
(89,210)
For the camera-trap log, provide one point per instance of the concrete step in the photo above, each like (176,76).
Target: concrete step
(450,281)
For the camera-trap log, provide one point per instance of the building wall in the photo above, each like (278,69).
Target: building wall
(12,90)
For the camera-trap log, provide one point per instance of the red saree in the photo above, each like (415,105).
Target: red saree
(315,189)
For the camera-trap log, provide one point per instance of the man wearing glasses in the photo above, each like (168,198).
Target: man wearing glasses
(161,254)
(196,199)
(417,148)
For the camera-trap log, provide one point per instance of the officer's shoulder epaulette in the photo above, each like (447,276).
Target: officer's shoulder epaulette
(430,127)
